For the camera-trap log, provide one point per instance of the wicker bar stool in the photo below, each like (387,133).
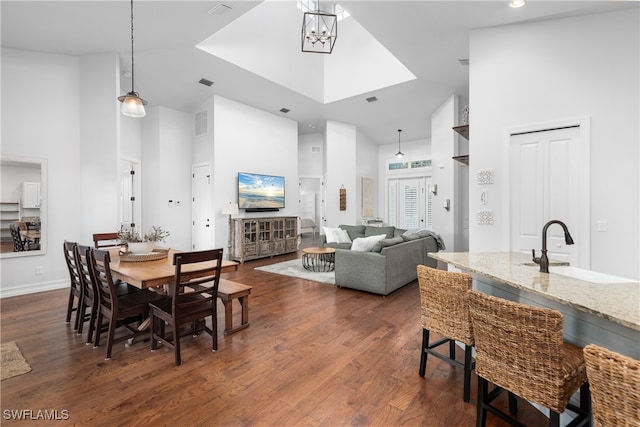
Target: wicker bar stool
(615,387)
(520,349)
(445,310)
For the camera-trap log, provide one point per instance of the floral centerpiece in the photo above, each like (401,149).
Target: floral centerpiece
(146,243)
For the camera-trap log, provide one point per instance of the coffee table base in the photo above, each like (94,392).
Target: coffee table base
(318,262)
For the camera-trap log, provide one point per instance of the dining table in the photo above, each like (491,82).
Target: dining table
(159,272)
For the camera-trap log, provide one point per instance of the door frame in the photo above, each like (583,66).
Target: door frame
(584,171)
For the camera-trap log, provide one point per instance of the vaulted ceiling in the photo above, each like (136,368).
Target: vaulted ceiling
(265,68)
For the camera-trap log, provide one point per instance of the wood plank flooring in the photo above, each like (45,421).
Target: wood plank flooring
(314,355)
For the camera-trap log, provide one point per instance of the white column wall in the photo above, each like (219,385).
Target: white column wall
(341,159)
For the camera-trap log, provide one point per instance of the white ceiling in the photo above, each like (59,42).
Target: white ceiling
(427,37)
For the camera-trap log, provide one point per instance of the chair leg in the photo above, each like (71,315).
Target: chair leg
(176,344)
(153,331)
(423,351)
(96,343)
(69,307)
(452,349)
(112,332)
(481,415)
(214,331)
(513,404)
(80,313)
(92,324)
(554,419)
(467,373)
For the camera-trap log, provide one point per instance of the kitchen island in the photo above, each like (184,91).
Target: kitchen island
(598,308)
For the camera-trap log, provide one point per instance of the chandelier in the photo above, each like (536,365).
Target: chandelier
(399,154)
(132,104)
(319,31)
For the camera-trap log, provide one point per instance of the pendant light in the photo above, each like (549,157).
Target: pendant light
(399,154)
(132,104)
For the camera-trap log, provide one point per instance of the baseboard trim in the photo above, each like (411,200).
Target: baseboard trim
(33,288)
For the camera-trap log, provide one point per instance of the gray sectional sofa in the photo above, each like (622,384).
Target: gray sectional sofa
(392,262)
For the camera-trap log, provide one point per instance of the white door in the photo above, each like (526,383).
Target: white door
(545,185)
(409,203)
(202,224)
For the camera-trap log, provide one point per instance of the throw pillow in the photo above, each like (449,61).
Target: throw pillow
(354,231)
(375,231)
(387,242)
(336,235)
(366,244)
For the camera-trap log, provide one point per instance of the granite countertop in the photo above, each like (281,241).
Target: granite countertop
(614,298)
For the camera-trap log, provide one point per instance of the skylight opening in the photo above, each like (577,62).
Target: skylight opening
(312,6)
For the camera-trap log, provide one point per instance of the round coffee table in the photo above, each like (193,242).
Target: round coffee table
(318,259)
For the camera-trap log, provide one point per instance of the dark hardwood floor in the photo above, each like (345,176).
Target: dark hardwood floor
(314,355)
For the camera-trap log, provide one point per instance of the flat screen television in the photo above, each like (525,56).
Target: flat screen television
(260,193)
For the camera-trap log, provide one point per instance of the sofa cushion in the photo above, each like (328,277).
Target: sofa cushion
(398,232)
(375,231)
(408,237)
(366,244)
(336,235)
(354,231)
(387,242)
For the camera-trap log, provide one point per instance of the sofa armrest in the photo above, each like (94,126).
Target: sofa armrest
(361,270)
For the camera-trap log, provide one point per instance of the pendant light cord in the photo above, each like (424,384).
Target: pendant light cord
(132,67)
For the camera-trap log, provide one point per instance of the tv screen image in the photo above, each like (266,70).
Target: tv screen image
(257,191)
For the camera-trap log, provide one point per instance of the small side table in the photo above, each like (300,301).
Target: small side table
(318,259)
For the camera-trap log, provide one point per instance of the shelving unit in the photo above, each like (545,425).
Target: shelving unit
(253,238)
(9,212)
(463,131)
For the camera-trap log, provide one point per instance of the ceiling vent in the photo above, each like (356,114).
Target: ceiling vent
(205,82)
(284,110)
(372,99)
(220,10)
(464,62)
(201,123)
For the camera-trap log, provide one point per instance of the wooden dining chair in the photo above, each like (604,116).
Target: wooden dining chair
(520,349)
(445,311)
(119,311)
(90,299)
(106,240)
(75,286)
(193,297)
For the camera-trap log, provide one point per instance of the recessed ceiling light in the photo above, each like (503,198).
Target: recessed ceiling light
(205,82)
(517,3)
(372,99)
(284,110)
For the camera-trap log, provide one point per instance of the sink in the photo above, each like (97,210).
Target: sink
(551,263)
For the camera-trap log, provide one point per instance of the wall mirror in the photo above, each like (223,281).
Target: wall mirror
(23,206)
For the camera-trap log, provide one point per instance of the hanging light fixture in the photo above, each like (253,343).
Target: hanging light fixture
(399,154)
(319,31)
(132,104)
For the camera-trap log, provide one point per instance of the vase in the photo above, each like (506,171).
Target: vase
(141,247)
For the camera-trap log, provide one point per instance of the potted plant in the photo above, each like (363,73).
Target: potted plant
(146,243)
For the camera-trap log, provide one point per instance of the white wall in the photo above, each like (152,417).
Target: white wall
(341,160)
(166,174)
(247,139)
(558,70)
(310,163)
(53,101)
(366,167)
(443,148)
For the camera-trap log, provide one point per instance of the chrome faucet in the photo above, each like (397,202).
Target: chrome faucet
(543,260)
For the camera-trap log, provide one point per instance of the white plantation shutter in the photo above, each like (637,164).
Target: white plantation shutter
(410,203)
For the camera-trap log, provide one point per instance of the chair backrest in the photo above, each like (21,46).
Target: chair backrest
(106,240)
(513,340)
(18,244)
(614,380)
(70,259)
(103,282)
(83,265)
(444,303)
(196,284)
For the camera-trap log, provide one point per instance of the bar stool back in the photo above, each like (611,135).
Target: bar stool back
(520,348)
(615,387)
